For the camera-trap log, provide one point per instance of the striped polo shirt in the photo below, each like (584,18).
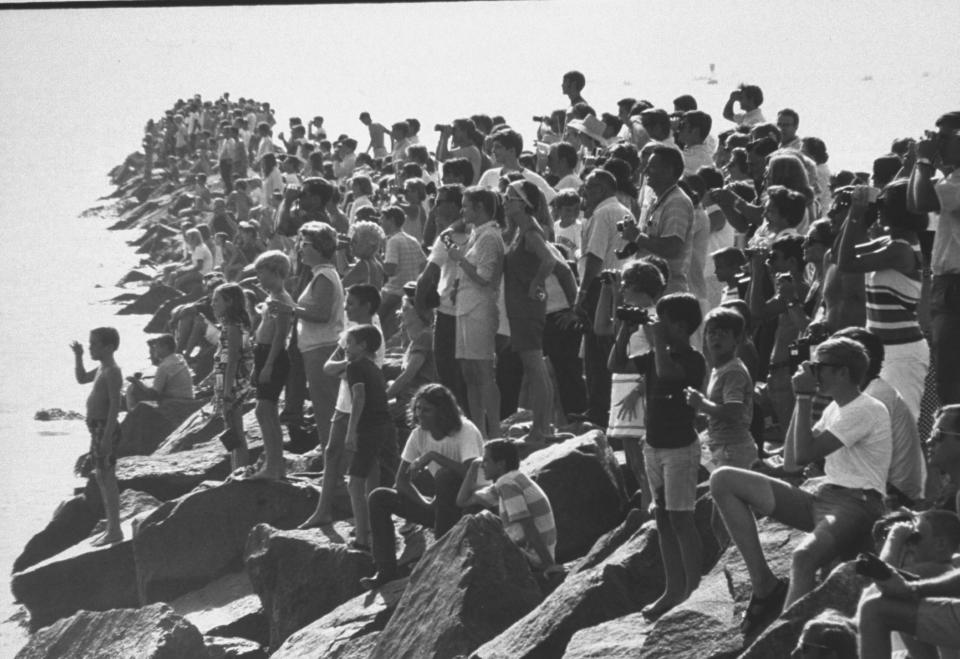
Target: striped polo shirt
(892,299)
(520,498)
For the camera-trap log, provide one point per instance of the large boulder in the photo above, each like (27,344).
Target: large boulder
(148,424)
(73,521)
(226,607)
(621,574)
(203,426)
(353,627)
(149,302)
(473,583)
(83,576)
(188,542)
(153,632)
(302,575)
(841,591)
(581,478)
(221,647)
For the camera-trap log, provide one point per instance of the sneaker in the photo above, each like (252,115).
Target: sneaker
(762,611)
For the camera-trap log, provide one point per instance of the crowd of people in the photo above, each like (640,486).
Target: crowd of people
(713,298)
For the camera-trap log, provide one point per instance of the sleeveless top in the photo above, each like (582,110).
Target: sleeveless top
(241,387)
(312,335)
(519,270)
(892,299)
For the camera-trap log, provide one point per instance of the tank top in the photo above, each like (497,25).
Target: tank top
(312,335)
(892,299)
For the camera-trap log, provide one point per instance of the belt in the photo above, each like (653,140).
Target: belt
(865,495)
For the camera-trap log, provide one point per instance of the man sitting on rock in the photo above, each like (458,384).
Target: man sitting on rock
(444,443)
(172,381)
(854,437)
(524,508)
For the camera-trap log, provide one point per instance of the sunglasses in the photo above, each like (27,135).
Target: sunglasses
(817,366)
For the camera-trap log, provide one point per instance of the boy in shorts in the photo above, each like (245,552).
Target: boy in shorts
(837,510)
(103,406)
(370,431)
(672,453)
(728,404)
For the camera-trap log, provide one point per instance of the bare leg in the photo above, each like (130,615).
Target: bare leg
(107,481)
(360,489)
(737,493)
(333,471)
(878,616)
(483,395)
(240,456)
(812,552)
(273,465)
(671,552)
(538,392)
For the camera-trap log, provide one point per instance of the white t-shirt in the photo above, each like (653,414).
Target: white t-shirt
(569,182)
(460,446)
(908,469)
(491,179)
(863,427)
(202,257)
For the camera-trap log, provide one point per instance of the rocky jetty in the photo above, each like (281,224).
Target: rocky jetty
(212,567)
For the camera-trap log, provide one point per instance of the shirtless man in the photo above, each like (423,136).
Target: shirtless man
(103,406)
(377,133)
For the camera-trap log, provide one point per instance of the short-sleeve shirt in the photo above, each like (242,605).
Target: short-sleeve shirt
(519,498)
(375,413)
(946,241)
(672,216)
(908,472)
(448,271)
(422,344)
(484,250)
(404,250)
(600,236)
(202,258)
(173,378)
(669,418)
(863,427)
(731,383)
(751,118)
(459,446)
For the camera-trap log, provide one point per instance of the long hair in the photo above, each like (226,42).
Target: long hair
(787,170)
(236,304)
(449,416)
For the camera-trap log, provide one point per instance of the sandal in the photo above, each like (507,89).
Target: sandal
(762,611)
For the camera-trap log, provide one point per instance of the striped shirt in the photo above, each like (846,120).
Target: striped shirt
(520,498)
(892,299)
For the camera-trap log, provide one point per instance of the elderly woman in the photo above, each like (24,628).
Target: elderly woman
(366,240)
(320,318)
(480,264)
(527,263)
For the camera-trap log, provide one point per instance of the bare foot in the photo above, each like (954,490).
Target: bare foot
(315,521)
(666,602)
(107,539)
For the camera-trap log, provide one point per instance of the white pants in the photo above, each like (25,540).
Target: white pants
(905,367)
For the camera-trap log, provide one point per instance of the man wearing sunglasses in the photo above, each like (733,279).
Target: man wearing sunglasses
(838,510)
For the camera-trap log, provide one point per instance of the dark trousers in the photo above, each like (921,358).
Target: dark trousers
(596,351)
(385,502)
(295,391)
(445,357)
(945,328)
(562,346)
(226,173)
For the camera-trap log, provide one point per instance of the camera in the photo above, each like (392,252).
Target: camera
(800,351)
(609,277)
(542,120)
(442,127)
(627,250)
(633,314)
(447,240)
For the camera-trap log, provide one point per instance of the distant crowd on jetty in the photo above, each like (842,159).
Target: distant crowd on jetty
(705,290)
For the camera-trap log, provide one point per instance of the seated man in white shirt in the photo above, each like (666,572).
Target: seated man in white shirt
(854,437)
(173,379)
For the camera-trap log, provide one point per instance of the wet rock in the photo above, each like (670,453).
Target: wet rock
(153,632)
(148,424)
(581,478)
(302,575)
(226,607)
(468,587)
(351,629)
(150,301)
(188,542)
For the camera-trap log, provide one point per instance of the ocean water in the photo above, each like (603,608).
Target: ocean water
(80,84)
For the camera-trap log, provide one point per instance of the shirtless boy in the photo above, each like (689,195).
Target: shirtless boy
(377,132)
(103,405)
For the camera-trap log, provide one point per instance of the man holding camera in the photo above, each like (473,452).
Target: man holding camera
(459,134)
(941,150)
(750,98)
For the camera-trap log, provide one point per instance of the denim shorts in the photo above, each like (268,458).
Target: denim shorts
(733,455)
(672,475)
